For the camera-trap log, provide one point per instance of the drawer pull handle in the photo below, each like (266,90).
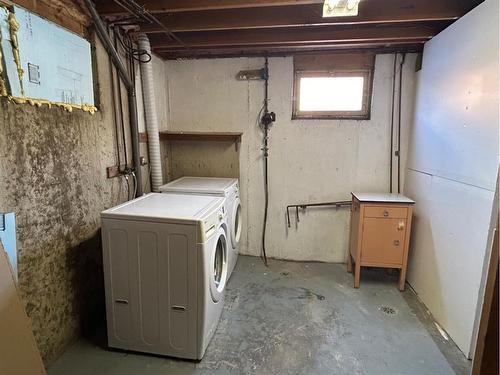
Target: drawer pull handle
(396,242)
(179,308)
(121,301)
(401,225)
(386,213)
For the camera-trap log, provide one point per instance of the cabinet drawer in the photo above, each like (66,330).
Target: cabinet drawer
(383,241)
(386,212)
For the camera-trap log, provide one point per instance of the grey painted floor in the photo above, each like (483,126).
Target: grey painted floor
(298,318)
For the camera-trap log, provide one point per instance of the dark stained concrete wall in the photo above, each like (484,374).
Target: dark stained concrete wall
(53,176)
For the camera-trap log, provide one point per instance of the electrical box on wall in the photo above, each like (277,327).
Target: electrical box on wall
(53,64)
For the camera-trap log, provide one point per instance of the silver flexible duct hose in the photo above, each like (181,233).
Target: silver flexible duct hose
(148,95)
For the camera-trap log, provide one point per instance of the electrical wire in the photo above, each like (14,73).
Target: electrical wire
(265,109)
(128,186)
(135,53)
(141,13)
(135,183)
(131,61)
(266,201)
(126,176)
(259,123)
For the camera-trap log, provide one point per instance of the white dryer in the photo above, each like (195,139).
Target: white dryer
(165,270)
(214,186)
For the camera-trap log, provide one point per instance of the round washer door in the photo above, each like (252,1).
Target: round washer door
(236,223)
(218,266)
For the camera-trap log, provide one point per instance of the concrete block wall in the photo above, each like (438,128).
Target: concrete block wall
(310,160)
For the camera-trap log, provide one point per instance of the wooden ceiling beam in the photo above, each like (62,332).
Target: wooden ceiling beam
(109,7)
(298,47)
(407,47)
(372,12)
(460,7)
(280,36)
(301,45)
(241,27)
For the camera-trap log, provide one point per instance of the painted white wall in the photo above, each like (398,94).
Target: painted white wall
(452,168)
(310,160)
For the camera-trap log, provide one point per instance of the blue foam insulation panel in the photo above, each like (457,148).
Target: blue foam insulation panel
(8,238)
(57,64)
(10,64)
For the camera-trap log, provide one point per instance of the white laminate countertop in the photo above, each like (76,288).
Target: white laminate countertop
(382,198)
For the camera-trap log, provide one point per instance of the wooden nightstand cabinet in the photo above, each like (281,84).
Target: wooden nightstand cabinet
(380,233)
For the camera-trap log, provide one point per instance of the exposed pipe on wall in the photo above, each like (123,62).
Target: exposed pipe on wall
(148,95)
(392,122)
(112,77)
(303,206)
(120,102)
(397,152)
(132,104)
(399,118)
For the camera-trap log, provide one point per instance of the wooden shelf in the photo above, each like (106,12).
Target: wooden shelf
(233,137)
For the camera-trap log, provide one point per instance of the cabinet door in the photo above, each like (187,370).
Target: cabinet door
(383,241)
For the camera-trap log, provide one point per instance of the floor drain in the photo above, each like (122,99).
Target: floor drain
(387,310)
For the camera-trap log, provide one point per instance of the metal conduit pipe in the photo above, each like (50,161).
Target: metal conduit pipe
(132,104)
(337,204)
(399,118)
(392,123)
(148,95)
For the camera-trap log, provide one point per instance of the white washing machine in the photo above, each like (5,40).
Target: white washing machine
(165,270)
(214,186)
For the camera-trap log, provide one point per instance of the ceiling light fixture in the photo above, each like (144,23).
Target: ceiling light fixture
(340,8)
(332,3)
(351,4)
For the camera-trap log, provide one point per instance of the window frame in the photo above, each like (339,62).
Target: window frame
(363,114)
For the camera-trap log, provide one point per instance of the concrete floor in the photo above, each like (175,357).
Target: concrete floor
(298,318)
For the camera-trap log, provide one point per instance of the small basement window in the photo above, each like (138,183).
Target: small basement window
(332,94)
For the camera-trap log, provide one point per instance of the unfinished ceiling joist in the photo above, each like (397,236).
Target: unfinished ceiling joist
(223,28)
(177,6)
(287,37)
(294,16)
(171,6)
(285,51)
